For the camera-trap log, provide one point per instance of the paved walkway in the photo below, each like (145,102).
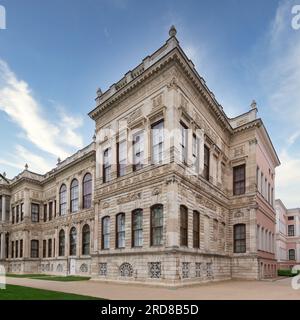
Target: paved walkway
(265,290)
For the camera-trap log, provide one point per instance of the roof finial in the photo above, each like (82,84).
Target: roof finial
(26,166)
(4,174)
(58,160)
(99,92)
(172,31)
(253,104)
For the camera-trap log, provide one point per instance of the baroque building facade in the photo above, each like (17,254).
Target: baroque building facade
(171,191)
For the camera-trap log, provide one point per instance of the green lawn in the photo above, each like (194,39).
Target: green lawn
(48,277)
(13,292)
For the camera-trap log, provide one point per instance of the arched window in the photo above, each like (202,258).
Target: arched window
(87,191)
(137,228)
(239,238)
(157,225)
(61,243)
(63,200)
(120,230)
(196,229)
(183,226)
(292,254)
(86,239)
(105,232)
(73,235)
(74,195)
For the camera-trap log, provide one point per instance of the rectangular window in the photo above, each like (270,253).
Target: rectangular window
(105,232)
(17,213)
(291,230)
(12,249)
(183,226)
(49,248)
(107,165)
(45,212)
(137,228)
(240,238)
(157,225)
(21,248)
(35,212)
(13,215)
(291,218)
(196,229)
(183,142)
(239,180)
(50,211)
(44,248)
(138,151)
(34,248)
(195,153)
(17,249)
(120,230)
(121,157)
(157,142)
(262,183)
(22,211)
(206,163)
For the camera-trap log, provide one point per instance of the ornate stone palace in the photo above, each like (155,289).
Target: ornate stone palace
(171,191)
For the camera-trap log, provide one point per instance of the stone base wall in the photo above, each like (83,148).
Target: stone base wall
(163,269)
(245,267)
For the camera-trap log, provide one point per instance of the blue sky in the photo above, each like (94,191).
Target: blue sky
(54,54)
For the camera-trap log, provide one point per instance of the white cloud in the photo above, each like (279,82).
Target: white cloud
(57,138)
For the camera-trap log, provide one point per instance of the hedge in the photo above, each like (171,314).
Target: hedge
(288,273)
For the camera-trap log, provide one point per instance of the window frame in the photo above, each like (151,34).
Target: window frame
(184,218)
(61,243)
(105,225)
(159,145)
(35,215)
(63,200)
(86,240)
(239,236)
(74,196)
(34,250)
(120,232)
(137,228)
(206,163)
(107,165)
(239,180)
(87,190)
(73,242)
(154,227)
(196,229)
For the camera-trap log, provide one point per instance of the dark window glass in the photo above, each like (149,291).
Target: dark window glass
(86,240)
(44,248)
(17,214)
(22,211)
(34,248)
(206,163)
(17,249)
(120,230)
(21,248)
(291,218)
(105,232)
(74,196)
(49,248)
(87,191)
(63,200)
(137,228)
(291,230)
(35,212)
(61,243)
(73,235)
(239,238)
(292,254)
(196,229)
(157,225)
(45,212)
(12,249)
(183,226)
(239,179)
(50,210)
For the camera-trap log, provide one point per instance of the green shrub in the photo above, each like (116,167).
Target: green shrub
(288,273)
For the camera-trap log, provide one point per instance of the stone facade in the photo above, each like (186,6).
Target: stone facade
(185,205)
(287,236)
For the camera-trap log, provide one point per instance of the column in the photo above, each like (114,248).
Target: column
(3,208)
(171,213)
(252,230)
(2,246)
(78,240)
(96,224)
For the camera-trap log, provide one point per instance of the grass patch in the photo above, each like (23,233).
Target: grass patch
(49,277)
(13,292)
